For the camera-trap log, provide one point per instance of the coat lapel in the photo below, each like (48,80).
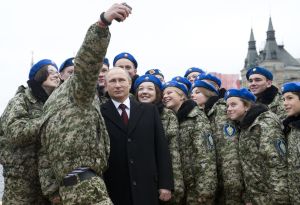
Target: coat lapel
(136,110)
(109,111)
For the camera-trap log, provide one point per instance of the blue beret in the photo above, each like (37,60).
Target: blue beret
(203,84)
(147,78)
(154,72)
(209,76)
(106,61)
(291,87)
(261,71)
(183,80)
(68,62)
(241,93)
(193,69)
(178,85)
(127,56)
(36,67)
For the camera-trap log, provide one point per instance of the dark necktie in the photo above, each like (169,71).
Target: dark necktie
(124,113)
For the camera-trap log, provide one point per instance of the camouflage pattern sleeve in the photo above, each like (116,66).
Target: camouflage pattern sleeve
(20,126)
(48,182)
(171,128)
(294,164)
(87,67)
(205,159)
(225,132)
(262,153)
(273,147)
(277,107)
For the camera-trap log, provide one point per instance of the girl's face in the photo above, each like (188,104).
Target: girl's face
(199,97)
(236,110)
(52,80)
(173,98)
(291,104)
(146,92)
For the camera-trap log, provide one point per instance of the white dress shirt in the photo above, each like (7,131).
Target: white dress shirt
(126,102)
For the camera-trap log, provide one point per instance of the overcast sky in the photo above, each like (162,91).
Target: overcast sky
(171,35)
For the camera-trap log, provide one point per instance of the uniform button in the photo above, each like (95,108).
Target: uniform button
(131,161)
(129,140)
(134,183)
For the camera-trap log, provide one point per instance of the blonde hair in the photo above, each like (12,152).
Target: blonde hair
(206,92)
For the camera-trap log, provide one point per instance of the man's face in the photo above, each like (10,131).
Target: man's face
(117,84)
(67,72)
(127,65)
(258,83)
(101,77)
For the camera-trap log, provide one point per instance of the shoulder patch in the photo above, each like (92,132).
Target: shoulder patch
(210,141)
(229,130)
(280,147)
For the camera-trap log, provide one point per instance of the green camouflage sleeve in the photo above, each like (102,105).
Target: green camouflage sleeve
(87,67)
(273,147)
(204,149)
(48,181)
(19,126)
(277,107)
(171,127)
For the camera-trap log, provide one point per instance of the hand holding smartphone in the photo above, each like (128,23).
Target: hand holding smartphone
(117,19)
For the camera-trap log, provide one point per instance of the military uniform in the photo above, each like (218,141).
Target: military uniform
(263,157)
(292,132)
(21,122)
(230,186)
(74,135)
(170,124)
(197,154)
(274,100)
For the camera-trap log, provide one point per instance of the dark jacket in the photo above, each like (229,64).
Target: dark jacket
(139,162)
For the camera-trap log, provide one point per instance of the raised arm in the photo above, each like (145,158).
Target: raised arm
(89,58)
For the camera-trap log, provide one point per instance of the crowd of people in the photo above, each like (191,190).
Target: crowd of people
(91,133)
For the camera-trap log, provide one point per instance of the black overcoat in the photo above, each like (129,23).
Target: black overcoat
(139,162)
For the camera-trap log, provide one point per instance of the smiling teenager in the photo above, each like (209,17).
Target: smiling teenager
(291,95)
(196,145)
(262,149)
(148,89)
(21,122)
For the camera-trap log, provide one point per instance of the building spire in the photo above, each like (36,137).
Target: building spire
(251,35)
(271,44)
(252,56)
(32,61)
(270,32)
(270,28)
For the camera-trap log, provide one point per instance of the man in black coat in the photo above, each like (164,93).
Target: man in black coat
(140,171)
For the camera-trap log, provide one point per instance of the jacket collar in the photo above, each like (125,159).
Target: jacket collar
(267,96)
(293,121)
(186,107)
(210,103)
(252,114)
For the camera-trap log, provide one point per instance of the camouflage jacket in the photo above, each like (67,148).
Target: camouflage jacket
(74,134)
(21,122)
(226,139)
(274,100)
(293,157)
(197,150)
(171,128)
(263,157)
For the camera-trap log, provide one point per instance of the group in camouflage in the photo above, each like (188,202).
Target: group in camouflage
(234,147)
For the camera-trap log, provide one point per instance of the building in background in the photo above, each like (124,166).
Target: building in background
(274,57)
(228,80)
